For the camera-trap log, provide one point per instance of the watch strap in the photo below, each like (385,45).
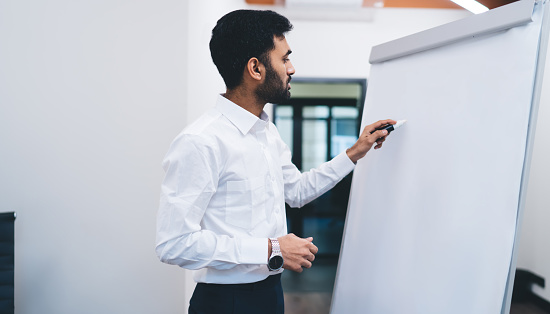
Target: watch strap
(275,247)
(276,260)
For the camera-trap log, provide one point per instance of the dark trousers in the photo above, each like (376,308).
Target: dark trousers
(262,297)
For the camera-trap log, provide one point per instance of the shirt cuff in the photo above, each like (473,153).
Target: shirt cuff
(254,251)
(342,165)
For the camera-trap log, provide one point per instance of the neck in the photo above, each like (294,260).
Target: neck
(246,99)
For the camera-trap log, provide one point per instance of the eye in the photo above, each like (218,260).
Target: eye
(286,60)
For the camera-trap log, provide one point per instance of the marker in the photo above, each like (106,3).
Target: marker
(390,127)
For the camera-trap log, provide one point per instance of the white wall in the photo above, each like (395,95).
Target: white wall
(91,94)
(335,49)
(341,49)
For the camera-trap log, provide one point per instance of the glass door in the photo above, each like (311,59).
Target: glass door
(321,120)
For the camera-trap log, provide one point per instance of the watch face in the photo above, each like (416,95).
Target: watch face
(275,262)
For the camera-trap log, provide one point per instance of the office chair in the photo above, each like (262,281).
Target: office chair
(7,302)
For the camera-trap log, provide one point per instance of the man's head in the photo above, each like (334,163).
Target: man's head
(249,38)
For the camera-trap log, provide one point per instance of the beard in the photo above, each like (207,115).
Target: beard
(273,90)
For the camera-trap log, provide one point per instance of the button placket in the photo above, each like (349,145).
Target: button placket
(271,180)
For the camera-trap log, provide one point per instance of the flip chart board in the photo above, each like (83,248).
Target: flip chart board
(433,215)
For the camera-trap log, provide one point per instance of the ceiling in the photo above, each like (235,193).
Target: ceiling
(446,4)
(491,4)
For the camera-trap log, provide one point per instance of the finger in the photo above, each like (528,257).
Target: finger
(387,121)
(306,264)
(313,248)
(379,123)
(310,257)
(293,267)
(310,239)
(379,135)
(380,141)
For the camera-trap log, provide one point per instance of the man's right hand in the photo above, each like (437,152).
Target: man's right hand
(297,252)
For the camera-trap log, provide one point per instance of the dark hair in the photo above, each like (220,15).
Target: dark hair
(241,35)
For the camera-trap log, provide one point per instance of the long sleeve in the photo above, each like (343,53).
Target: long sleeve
(302,188)
(192,175)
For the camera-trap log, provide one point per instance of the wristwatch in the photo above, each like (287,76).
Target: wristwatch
(276,259)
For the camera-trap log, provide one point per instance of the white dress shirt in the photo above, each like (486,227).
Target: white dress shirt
(228,176)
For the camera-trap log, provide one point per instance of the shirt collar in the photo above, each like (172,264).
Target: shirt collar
(240,117)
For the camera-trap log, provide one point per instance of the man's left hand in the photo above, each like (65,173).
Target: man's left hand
(367,140)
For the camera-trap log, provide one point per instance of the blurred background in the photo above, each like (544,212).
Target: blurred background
(93,92)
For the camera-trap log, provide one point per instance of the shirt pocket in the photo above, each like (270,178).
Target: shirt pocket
(245,202)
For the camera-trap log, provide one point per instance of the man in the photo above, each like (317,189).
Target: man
(229,174)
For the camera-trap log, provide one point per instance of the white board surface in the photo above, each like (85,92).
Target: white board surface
(432,216)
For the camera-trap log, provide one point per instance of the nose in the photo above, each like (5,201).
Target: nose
(290,68)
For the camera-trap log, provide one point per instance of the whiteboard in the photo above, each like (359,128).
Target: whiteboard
(432,216)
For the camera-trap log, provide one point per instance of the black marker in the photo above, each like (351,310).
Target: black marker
(390,127)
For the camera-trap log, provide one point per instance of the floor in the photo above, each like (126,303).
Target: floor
(319,303)
(307,303)
(311,291)
(526,308)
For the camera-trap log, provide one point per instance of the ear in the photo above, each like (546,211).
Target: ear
(255,69)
